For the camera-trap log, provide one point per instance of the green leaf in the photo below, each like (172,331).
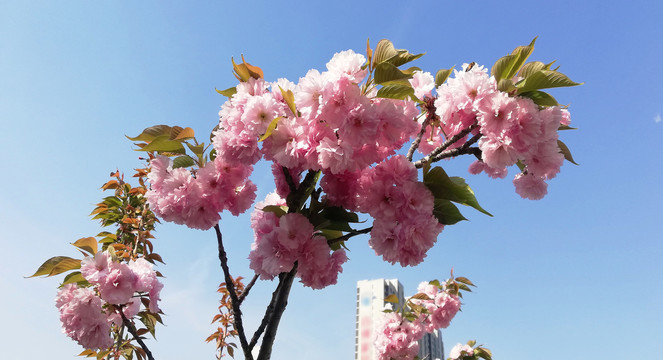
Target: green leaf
(522,53)
(541,98)
(151,133)
(566,152)
(164,144)
(442,75)
(544,79)
(385,72)
(74,277)
(277,210)
(420,296)
(403,57)
(471,343)
(383,50)
(399,92)
(270,129)
(57,265)
(241,72)
(196,149)
(229,92)
(566,127)
(112,201)
(506,85)
(391,299)
(503,66)
(530,68)
(289,98)
(88,244)
(446,212)
(338,213)
(183,161)
(465,280)
(451,188)
(434,282)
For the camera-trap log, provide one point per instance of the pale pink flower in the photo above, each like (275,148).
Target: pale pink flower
(348,64)
(83,318)
(530,187)
(397,338)
(119,285)
(423,84)
(459,351)
(95,269)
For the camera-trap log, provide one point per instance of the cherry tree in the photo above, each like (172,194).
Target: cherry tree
(358,138)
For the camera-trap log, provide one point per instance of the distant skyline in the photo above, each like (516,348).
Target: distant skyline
(575,275)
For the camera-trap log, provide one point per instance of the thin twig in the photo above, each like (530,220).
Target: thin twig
(234,301)
(432,156)
(132,331)
(417,140)
(247,288)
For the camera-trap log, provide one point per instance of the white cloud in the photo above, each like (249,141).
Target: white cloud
(657,118)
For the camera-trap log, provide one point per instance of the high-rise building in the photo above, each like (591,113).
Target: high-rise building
(370,304)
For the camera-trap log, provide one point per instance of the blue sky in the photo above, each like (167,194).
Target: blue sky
(575,275)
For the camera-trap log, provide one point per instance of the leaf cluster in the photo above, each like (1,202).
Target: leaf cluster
(225,319)
(174,141)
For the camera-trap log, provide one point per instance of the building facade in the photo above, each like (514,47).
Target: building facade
(370,304)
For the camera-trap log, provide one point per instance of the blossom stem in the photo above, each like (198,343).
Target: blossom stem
(230,285)
(132,331)
(248,287)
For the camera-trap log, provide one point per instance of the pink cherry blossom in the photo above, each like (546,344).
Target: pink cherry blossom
(531,187)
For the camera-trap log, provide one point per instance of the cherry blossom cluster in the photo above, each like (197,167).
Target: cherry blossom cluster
(282,241)
(404,228)
(196,200)
(337,128)
(398,336)
(87,315)
(441,307)
(512,128)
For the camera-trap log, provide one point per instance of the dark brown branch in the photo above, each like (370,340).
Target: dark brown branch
(417,140)
(132,331)
(297,197)
(349,235)
(230,285)
(268,314)
(279,308)
(456,152)
(433,156)
(247,288)
(288,179)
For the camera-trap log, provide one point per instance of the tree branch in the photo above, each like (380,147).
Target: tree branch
(415,144)
(268,313)
(349,235)
(230,285)
(132,331)
(247,288)
(279,308)
(435,154)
